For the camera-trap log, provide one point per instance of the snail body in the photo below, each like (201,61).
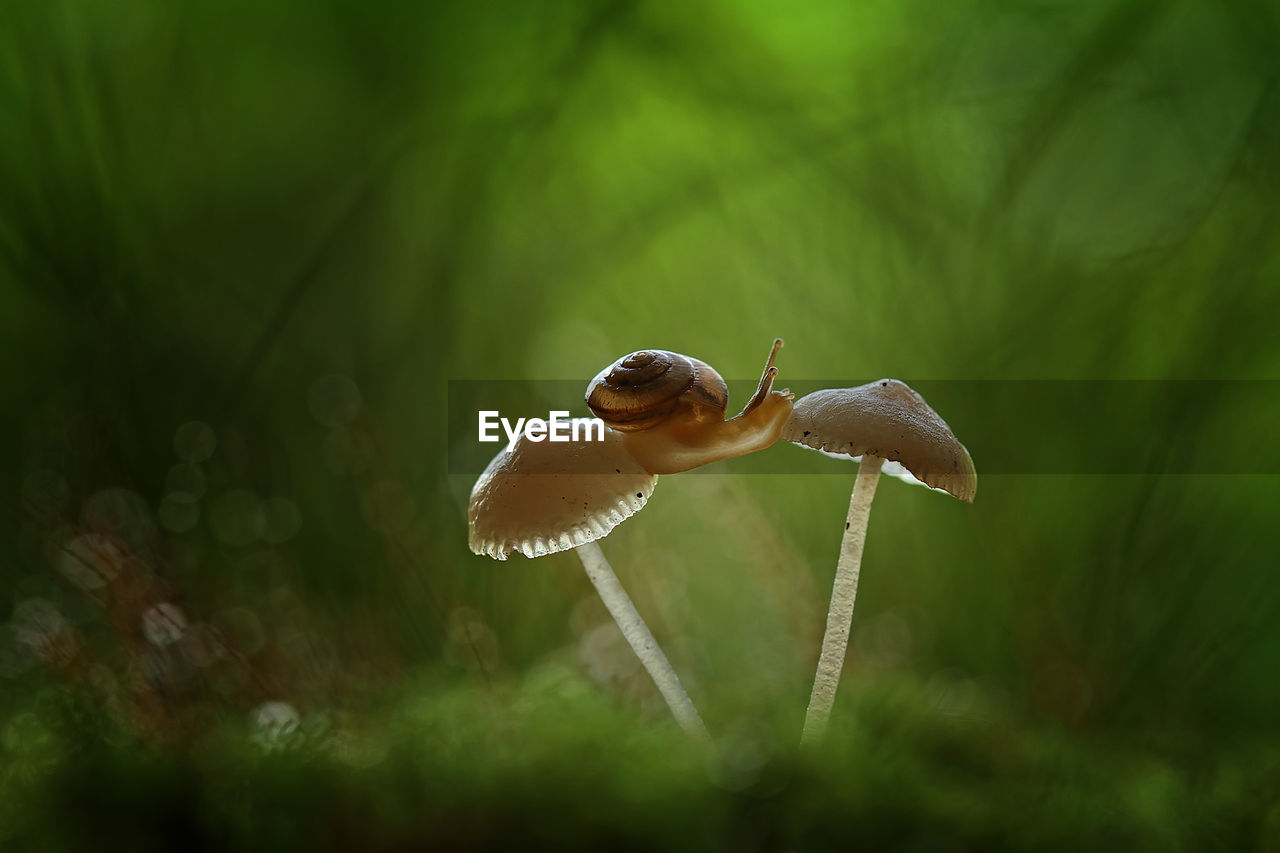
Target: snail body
(670,409)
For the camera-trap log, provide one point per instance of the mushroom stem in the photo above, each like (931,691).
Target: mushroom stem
(637,633)
(840,615)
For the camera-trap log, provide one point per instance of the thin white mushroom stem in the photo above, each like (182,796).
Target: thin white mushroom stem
(843,593)
(637,633)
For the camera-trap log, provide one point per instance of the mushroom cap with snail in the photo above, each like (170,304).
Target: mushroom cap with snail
(888,419)
(665,414)
(542,497)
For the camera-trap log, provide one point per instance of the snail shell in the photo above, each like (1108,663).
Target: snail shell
(640,390)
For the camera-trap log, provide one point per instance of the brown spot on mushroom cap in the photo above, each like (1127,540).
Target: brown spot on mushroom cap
(888,419)
(543,496)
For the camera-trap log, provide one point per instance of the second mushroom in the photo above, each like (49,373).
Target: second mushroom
(882,421)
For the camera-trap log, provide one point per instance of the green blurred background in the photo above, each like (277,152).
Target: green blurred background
(244,247)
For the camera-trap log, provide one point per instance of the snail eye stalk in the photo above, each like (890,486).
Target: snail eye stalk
(766,380)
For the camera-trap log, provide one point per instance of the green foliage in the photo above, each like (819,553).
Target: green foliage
(546,761)
(296,222)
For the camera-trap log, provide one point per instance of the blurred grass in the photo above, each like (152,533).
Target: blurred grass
(536,764)
(206,210)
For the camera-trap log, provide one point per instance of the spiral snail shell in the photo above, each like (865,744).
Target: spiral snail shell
(640,390)
(670,409)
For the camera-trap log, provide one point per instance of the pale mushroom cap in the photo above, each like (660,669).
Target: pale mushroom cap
(543,496)
(888,419)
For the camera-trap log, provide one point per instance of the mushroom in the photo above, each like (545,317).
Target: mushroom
(662,413)
(540,498)
(883,421)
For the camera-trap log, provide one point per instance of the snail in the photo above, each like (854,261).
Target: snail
(670,409)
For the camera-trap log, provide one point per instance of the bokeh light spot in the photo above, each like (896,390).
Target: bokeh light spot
(195,441)
(122,513)
(89,561)
(275,725)
(164,624)
(334,400)
(179,512)
(35,620)
(186,478)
